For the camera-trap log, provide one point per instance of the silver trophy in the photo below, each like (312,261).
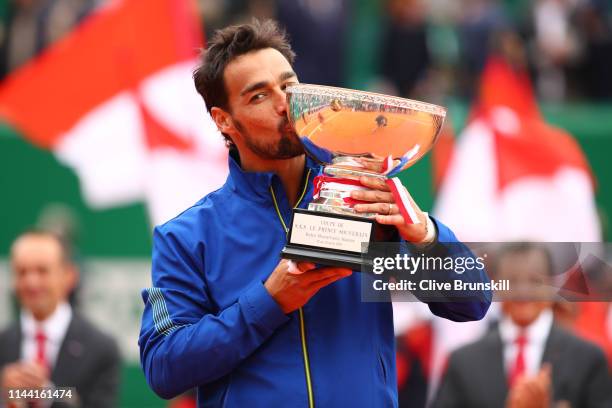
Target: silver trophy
(353,134)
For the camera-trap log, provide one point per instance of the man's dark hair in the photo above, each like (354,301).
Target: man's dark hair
(523,247)
(226,45)
(65,247)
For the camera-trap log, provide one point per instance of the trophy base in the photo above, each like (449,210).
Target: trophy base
(327,258)
(329,239)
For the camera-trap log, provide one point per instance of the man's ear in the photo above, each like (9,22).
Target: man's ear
(222,119)
(73,277)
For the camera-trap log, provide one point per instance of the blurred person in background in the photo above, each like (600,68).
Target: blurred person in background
(593,22)
(63,221)
(220,13)
(51,344)
(592,320)
(528,360)
(480,20)
(414,352)
(34,24)
(317,31)
(405,56)
(555,47)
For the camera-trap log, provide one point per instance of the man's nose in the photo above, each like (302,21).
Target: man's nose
(28,278)
(281,103)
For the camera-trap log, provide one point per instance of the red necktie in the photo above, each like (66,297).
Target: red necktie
(41,349)
(41,359)
(519,368)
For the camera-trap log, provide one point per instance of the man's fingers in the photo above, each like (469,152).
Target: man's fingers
(292,268)
(316,285)
(40,371)
(305,266)
(374,196)
(27,377)
(375,166)
(544,375)
(379,208)
(395,219)
(543,380)
(319,274)
(298,268)
(35,371)
(536,391)
(12,378)
(376,183)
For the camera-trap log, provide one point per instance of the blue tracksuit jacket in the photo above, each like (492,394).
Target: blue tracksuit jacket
(210,323)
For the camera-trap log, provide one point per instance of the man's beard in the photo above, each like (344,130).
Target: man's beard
(287,147)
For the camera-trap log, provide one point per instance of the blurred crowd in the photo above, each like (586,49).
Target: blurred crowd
(417,48)
(440,46)
(27,27)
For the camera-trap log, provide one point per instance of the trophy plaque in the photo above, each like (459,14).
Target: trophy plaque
(353,134)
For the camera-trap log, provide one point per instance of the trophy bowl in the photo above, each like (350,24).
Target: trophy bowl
(352,133)
(349,122)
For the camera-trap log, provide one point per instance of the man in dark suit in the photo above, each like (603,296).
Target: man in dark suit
(51,345)
(526,360)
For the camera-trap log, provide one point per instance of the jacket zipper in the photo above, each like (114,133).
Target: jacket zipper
(300,311)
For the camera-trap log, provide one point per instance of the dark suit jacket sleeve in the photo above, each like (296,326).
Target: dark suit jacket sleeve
(103,390)
(598,382)
(449,392)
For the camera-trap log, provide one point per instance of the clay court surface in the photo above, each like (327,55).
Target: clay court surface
(359,132)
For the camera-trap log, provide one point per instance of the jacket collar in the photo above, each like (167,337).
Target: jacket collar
(256,185)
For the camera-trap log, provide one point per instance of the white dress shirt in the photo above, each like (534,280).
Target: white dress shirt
(54,328)
(536,334)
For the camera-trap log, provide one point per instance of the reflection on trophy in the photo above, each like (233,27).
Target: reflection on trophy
(353,134)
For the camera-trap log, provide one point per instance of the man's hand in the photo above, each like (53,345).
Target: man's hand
(383,203)
(531,392)
(23,375)
(292,289)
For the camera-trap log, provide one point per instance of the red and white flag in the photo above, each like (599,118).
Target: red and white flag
(509,176)
(114,100)
(512,176)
